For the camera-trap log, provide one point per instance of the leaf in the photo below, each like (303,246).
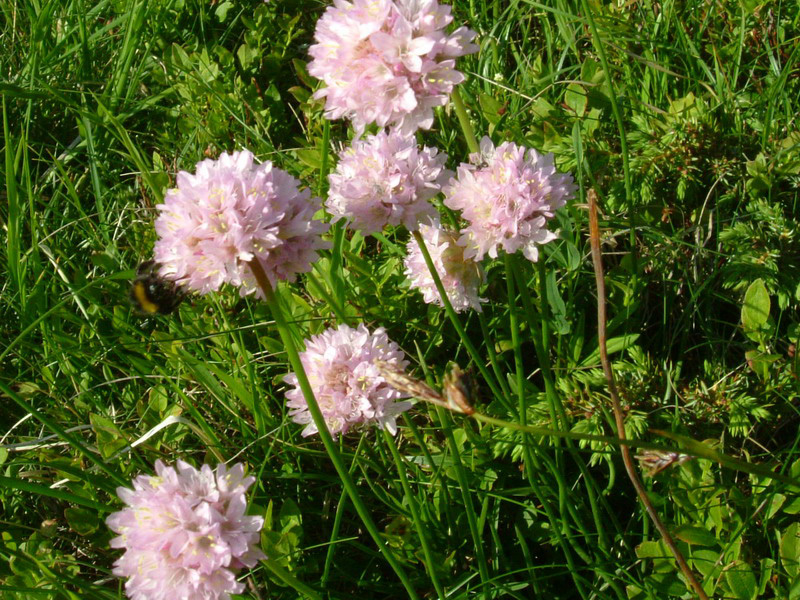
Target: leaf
(759,362)
(290,516)
(790,549)
(793,507)
(492,109)
(575,98)
(650,550)
(695,535)
(81,520)
(707,562)
(741,581)
(775,505)
(309,156)
(557,307)
(109,437)
(794,591)
(755,309)
(613,345)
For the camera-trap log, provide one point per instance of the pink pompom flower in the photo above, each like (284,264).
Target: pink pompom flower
(185,533)
(386,179)
(388,62)
(460,276)
(507,199)
(231,211)
(348,387)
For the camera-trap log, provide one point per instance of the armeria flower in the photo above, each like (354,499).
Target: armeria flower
(185,533)
(386,179)
(460,276)
(507,200)
(387,61)
(348,387)
(231,211)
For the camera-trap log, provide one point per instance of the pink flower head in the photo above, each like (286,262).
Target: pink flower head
(460,276)
(231,211)
(507,200)
(386,180)
(347,385)
(387,61)
(185,533)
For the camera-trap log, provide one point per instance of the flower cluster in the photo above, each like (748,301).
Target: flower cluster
(388,62)
(348,387)
(185,533)
(507,200)
(460,276)
(386,179)
(232,211)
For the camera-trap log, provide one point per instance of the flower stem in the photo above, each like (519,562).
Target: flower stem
(531,463)
(463,119)
(415,514)
(319,421)
(451,313)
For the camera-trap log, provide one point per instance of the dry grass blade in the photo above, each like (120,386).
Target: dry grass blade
(627,458)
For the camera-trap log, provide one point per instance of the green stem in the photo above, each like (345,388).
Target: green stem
(332,302)
(489,344)
(324,434)
(463,119)
(430,565)
(532,465)
(466,498)
(451,313)
(597,42)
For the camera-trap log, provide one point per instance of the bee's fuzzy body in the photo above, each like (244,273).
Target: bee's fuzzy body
(153,294)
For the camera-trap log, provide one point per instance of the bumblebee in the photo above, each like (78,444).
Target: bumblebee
(151,293)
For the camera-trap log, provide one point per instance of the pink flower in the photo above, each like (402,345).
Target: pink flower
(231,211)
(347,385)
(507,200)
(387,61)
(185,533)
(385,180)
(460,276)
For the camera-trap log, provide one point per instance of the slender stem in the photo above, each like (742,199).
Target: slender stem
(430,565)
(554,406)
(334,305)
(627,459)
(597,42)
(319,421)
(451,313)
(466,498)
(531,463)
(489,343)
(337,526)
(463,119)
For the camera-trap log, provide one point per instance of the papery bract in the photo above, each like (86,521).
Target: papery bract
(346,383)
(460,276)
(388,62)
(231,211)
(185,533)
(385,179)
(507,199)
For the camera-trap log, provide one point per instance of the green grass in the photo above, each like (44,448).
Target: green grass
(682,116)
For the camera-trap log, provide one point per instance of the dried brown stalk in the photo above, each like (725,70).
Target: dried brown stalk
(594,239)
